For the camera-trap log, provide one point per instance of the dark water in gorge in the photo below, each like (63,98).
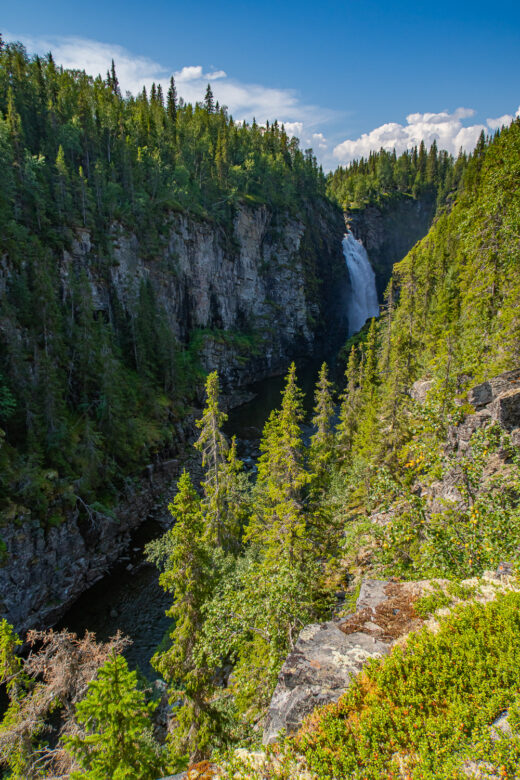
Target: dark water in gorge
(130,598)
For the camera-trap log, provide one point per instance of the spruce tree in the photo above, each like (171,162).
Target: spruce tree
(209,103)
(171,102)
(117,741)
(321,451)
(279,520)
(349,411)
(213,446)
(188,574)
(114,81)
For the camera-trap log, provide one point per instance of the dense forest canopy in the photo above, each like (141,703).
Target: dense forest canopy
(416,173)
(249,562)
(83,400)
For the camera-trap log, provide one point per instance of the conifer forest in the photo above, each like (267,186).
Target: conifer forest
(313,526)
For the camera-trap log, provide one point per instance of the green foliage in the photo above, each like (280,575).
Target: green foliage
(429,604)
(240,600)
(117,740)
(461,538)
(427,705)
(10,664)
(441,324)
(188,572)
(14,753)
(92,394)
(321,451)
(384,176)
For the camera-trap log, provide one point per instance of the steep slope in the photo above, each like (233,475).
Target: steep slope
(143,241)
(424,486)
(390,202)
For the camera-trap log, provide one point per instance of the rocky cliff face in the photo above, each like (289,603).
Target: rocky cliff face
(47,569)
(279,280)
(389,231)
(272,289)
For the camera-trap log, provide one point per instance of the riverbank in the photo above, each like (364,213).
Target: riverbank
(129,597)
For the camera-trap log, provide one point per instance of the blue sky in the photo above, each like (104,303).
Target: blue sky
(345,76)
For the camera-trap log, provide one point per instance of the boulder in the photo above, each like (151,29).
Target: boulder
(317,672)
(483,394)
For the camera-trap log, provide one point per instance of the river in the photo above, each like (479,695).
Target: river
(130,599)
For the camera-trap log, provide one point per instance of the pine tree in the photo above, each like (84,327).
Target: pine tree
(322,442)
(62,181)
(235,493)
(369,371)
(209,103)
(171,102)
(349,410)
(117,741)
(213,446)
(114,81)
(279,522)
(188,574)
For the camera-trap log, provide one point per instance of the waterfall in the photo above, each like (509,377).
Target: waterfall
(363,303)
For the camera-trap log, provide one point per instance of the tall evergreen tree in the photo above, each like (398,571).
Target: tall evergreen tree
(279,519)
(349,410)
(321,450)
(209,102)
(171,102)
(186,560)
(213,446)
(117,741)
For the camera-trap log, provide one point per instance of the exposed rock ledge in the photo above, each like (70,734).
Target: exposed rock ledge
(328,656)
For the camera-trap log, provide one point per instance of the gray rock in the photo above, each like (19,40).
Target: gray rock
(460,435)
(178,776)
(371,594)
(501,727)
(505,409)
(318,671)
(420,389)
(483,394)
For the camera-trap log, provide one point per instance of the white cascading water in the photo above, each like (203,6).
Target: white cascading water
(363,303)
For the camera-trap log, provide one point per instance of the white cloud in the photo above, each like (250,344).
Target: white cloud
(319,141)
(95,58)
(189,73)
(216,74)
(444,128)
(294,128)
(506,119)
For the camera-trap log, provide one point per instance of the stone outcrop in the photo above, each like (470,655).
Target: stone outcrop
(389,230)
(496,400)
(328,656)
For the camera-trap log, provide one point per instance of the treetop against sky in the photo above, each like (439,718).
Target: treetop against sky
(345,77)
